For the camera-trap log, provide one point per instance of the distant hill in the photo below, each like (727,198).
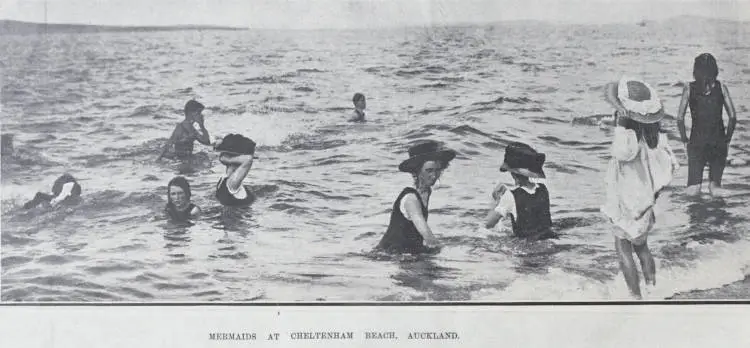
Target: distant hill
(8,27)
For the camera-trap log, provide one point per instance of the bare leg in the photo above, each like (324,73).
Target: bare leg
(627,265)
(647,263)
(693,190)
(715,189)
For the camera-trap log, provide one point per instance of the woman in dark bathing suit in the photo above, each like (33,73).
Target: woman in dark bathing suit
(184,134)
(179,207)
(709,141)
(408,231)
(237,155)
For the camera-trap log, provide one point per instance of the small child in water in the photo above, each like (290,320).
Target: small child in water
(185,134)
(527,205)
(642,164)
(709,141)
(359,108)
(179,206)
(65,190)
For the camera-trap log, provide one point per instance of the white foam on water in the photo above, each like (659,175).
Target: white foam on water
(719,264)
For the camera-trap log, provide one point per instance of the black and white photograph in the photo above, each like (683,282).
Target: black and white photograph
(374,151)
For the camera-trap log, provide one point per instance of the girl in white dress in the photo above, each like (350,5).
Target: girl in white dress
(642,164)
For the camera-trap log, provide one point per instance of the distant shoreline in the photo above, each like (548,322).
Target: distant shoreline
(11,27)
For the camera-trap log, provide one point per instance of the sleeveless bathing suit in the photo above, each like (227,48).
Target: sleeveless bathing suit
(226,198)
(707,144)
(533,220)
(179,215)
(402,236)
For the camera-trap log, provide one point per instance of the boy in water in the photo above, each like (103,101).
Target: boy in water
(359,108)
(709,141)
(527,205)
(185,133)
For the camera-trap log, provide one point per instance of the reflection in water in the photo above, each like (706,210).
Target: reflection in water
(422,274)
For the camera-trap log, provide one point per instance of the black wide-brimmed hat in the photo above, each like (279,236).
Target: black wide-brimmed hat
(522,159)
(427,151)
(236,144)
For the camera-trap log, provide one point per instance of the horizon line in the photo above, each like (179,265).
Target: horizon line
(394,26)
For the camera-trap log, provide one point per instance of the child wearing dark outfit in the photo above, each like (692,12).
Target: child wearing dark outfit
(527,205)
(709,140)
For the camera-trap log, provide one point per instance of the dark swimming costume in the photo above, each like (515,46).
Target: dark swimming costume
(226,198)
(177,215)
(533,220)
(402,236)
(707,143)
(183,145)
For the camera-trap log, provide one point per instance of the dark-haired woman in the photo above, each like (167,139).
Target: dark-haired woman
(642,164)
(179,206)
(408,231)
(709,141)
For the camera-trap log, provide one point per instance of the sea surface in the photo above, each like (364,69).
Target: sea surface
(100,106)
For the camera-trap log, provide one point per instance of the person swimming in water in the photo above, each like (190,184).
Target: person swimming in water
(642,164)
(527,205)
(179,206)
(360,104)
(185,134)
(237,154)
(408,231)
(709,141)
(65,190)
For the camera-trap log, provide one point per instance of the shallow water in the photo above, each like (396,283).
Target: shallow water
(100,105)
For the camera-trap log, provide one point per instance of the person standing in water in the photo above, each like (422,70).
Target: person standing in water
(642,164)
(185,133)
(709,141)
(359,108)
(65,190)
(237,156)
(527,205)
(179,206)
(408,231)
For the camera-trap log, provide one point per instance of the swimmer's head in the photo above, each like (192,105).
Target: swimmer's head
(359,101)
(178,193)
(705,68)
(193,109)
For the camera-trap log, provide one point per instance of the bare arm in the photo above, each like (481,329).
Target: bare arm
(414,210)
(729,106)
(681,110)
(245,162)
(202,136)
(195,211)
(493,217)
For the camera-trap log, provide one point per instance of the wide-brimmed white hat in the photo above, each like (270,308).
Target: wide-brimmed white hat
(636,98)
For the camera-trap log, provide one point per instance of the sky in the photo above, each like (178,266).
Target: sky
(309,14)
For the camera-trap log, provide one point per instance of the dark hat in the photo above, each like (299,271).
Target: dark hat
(523,160)
(193,105)
(636,98)
(427,151)
(236,144)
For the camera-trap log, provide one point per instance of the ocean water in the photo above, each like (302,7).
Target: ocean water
(101,105)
